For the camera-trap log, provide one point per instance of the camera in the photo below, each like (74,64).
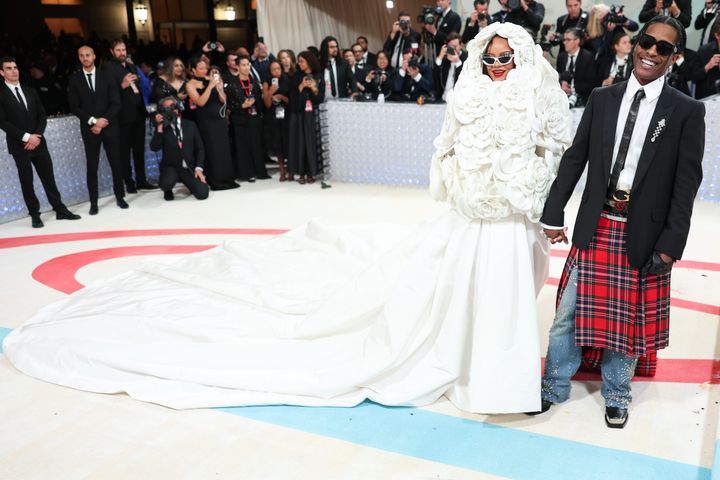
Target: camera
(546,44)
(212,46)
(377,73)
(450,50)
(414,62)
(169,113)
(616,15)
(513,4)
(404,24)
(427,15)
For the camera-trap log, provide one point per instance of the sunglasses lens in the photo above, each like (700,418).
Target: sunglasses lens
(488,59)
(505,59)
(663,48)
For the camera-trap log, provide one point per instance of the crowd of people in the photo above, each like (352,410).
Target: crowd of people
(248,108)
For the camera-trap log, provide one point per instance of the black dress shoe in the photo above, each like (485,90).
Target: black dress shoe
(146,186)
(66,215)
(169,195)
(93,209)
(130,187)
(544,407)
(251,179)
(121,203)
(616,417)
(36,222)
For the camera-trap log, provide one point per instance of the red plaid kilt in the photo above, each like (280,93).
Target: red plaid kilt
(617,307)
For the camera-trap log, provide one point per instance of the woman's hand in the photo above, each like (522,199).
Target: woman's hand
(249,102)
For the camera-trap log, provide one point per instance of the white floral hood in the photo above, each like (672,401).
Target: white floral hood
(501,142)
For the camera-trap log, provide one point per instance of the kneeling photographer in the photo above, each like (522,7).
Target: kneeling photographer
(448,65)
(414,79)
(380,79)
(183,153)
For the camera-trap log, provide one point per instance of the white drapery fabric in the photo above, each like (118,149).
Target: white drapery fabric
(296,24)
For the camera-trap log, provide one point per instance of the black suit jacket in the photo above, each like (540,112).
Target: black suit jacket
(193,150)
(16,121)
(84,103)
(442,72)
(132,106)
(685,6)
(705,81)
(586,75)
(345,79)
(667,178)
(530,20)
(390,42)
(450,23)
(371,61)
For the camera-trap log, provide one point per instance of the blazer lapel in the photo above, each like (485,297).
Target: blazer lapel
(659,121)
(612,110)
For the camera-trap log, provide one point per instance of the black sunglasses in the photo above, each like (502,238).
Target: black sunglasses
(663,48)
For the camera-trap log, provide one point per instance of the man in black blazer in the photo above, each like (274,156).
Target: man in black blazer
(183,153)
(678,9)
(95,100)
(339,80)
(401,38)
(708,16)
(132,116)
(580,63)
(448,65)
(706,69)
(446,23)
(529,15)
(413,79)
(367,60)
(643,143)
(23,119)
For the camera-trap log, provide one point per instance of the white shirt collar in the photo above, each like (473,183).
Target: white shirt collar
(652,89)
(11,86)
(446,11)
(91,72)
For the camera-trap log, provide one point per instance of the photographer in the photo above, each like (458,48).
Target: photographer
(529,14)
(679,9)
(479,18)
(401,36)
(706,74)
(575,17)
(380,79)
(681,72)
(579,65)
(706,19)
(448,65)
(616,68)
(183,154)
(414,79)
(447,22)
(603,23)
(261,59)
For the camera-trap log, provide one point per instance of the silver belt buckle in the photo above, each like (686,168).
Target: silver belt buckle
(621,196)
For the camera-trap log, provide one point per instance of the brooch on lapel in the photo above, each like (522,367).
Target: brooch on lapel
(658,129)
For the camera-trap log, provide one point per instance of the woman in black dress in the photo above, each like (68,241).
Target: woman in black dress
(275,97)
(207,93)
(246,106)
(307,92)
(171,83)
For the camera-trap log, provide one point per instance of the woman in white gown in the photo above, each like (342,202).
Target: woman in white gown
(399,317)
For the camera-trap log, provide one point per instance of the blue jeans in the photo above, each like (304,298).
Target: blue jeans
(564,357)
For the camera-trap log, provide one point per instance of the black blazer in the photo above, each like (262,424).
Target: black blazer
(705,81)
(530,20)
(16,121)
(586,76)
(132,106)
(442,72)
(104,102)
(193,150)
(685,6)
(371,61)
(345,79)
(680,76)
(406,42)
(451,23)
(668,175)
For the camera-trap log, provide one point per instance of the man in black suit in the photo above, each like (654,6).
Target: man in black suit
(448,65)
(401,38)
(643,143)
(680,74)
(479,18)
(678,9)
(359,73)
(338,76)
(705,20)
(446,23)
(579,63)
(575,17)
(132,117)
(95,100)
(706,70)
(23,119)
(529,15)
(413,79)
(367,60)
(183,153)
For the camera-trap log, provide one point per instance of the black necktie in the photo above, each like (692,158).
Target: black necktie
(621,72)
(571,68)
(333,88)
(20,98)
(625,141)
(89,75)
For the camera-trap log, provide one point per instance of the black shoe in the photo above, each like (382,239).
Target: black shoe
(130,187)
(66,215)
(169,195)
(146,186)
(121,203)
(93,209)
(251,179)
(616,417)
(36,222)
(544,407)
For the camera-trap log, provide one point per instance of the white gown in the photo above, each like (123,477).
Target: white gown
(327,316)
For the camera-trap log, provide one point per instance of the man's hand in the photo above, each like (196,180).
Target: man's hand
(200,175)
(674,10)
(430,27)
(102,122)
(473,18)
(95,130)
(249,102)
(524,5)
(608,81)
(666,258)
(714,62)
(658,6)
(454,58)
(33,142)
(395,28)
(128,79)
(556,236)
(220,47)
(443,52)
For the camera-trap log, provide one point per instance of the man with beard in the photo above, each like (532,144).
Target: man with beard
(338,76)
(125,76)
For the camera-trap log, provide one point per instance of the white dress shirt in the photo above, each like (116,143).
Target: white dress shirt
(92,120)
(12,87)
(328,85)
(450,82)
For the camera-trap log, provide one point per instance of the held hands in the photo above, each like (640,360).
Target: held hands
(714,62)
(101,122)
(249,102)
(33,142)
(556,236)
(443,52)
(128,79)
